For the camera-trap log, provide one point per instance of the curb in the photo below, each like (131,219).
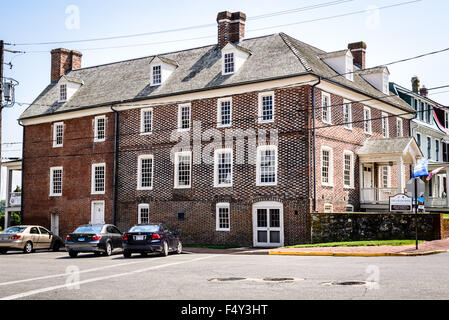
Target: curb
(355,254)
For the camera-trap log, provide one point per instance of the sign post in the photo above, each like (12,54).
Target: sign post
(420,170)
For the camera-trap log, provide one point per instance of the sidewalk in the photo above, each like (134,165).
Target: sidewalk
(426,248)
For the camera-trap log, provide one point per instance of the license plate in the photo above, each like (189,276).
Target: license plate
(139,238)
(81,239)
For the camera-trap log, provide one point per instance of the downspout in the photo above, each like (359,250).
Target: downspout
(314,144)
(114,183)
(22,203)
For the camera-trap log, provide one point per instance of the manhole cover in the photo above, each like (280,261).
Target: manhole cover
(278,279)
(227,279)
(346,283)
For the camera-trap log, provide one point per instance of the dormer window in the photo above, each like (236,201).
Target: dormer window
(228,63)
(63,92)
(68,86)
(157,75)
(233,58)
(341,62)
(161,68)
(378,77)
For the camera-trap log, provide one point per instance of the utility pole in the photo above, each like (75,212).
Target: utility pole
(2,53)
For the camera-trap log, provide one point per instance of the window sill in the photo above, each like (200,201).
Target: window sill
(266,184)
(266,121)
(182,187)
(96,141)
(327,185)
(223,185)
(144,189)
(58,146)
(146,133)
(97,193)
(223,230)
(184,130)
(55,195)
(224,125)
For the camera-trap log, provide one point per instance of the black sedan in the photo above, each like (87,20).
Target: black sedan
(99,239)
(149,238)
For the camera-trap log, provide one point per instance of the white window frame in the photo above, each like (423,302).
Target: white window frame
(419,140)
(347,125)
(152,75)
(139,212)
(366,120)
(176,175)
(429,150)
(258,165)
(219,112)
(260,111)
(437,150)
(385,125)
(331,166)
(142,122)
(180,106)
(217,153)
(446,119)
(223,65)
(55,126)
(329,205)
(222,205)
(139,171)
(349,206)
(351,154)
(52,169)
(96,129)
(94,166)
(328,108)
(381,173)
(61,98)
(399,127)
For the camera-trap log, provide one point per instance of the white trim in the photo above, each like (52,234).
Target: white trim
(55,125)
(268,205)
(260,107)
(96,129)
(331,166)
(347,125)
(92,206)
(66,94)
(92,181)
(139,171)
(139,213)
(176,175)
(351,185)
(222,205)
(223,63)
(329,107)
(152,75)
(180,106)
(385,120)
(142,125)
(219,113)
(366,120)
(52,169)
(216,154)
(258,163)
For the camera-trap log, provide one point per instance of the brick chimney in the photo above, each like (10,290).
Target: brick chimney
(423,91)
(62,61)
(358,50)
(416,84)
(231,27)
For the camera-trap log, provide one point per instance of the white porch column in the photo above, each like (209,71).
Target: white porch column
(447,186)
(401,174)
(6,219)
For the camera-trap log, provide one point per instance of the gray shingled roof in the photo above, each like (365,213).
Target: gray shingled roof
(385,146)
(274,56)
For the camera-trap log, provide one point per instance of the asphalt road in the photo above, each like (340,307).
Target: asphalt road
(48,275)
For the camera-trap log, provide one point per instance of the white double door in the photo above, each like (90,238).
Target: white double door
(268,224)
(97,212)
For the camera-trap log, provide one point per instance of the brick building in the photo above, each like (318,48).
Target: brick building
(232,143)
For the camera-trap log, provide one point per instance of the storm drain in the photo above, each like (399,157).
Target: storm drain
(346,283)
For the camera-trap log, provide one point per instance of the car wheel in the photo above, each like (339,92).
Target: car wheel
(108,251)
(73,254)
(28,247)
(3,251)
(164,251)
(179,249)
(56,246)
(126,254)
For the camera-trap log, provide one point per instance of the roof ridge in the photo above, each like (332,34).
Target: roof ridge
(295,51)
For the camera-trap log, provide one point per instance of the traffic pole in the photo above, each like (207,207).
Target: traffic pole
(416,211)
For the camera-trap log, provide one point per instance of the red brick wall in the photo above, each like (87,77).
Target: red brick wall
(76,156)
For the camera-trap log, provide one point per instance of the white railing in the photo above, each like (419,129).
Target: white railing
(15,199)
(378,195)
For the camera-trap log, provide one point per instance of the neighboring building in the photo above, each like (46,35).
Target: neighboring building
(13,191)
(431,131)
(101,143)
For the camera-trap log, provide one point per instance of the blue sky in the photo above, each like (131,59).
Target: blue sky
(393,34)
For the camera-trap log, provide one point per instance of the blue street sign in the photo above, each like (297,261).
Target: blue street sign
(421,169)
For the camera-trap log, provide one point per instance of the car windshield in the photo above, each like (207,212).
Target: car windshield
(147,228)
(89,229)
(15,230)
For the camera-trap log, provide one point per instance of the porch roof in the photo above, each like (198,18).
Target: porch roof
(391,149)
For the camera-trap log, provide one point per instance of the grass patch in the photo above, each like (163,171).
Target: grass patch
(208,246)
(374,243)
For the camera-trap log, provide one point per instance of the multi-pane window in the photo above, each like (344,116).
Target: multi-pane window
(326,105)
(146,121)
(145,172)
(58,134)
(224,112)
(419,109)
(429,148)
(429,113)
(385,128)
(63,92)
(326,166)
(183,169)
(347,115)
(223,168)
(100,129)
(418,139)
(437,150)
(385,176)
(157,75)
(184,117)
(267,165)
(367,120)
(266,107)
(228,63)
(98,178)
(348,170)
(399,127)
(56,181)
(223,217)
(144,214)
(446,120)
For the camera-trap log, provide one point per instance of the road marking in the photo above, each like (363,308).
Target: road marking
(74,284)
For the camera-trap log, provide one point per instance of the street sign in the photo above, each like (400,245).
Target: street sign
(400,203)
(411,188)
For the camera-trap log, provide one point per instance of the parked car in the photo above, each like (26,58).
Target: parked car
(149,238)
(28,239)
(99,239)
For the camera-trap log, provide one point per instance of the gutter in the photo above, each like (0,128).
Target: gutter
(22,203)
(314,144)
(114,183)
